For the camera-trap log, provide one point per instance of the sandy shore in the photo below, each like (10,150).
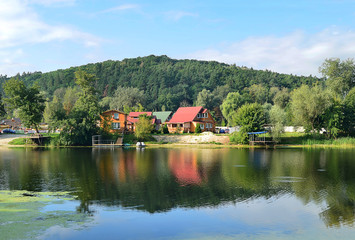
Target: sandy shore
(6,138)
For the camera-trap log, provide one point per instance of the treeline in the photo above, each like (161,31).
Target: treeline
(167,83)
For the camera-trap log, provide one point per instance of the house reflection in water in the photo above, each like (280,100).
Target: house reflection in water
(184,166)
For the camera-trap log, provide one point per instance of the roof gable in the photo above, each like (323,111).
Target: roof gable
(185,114)
(163,116)
(114,111)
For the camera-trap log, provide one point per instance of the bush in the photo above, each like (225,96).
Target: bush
(240,137)
(165,129)
(198,128)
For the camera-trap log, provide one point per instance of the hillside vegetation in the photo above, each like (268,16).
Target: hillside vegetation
(166,82)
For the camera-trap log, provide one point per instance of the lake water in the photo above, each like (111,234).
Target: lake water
(180,193)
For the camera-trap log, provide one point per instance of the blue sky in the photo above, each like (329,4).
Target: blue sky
(283,36)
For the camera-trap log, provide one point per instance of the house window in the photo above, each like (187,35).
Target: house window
(198,115)
(115,126)
(116,116)
(181,125)
(202,126)
(208,125)
(174,125)
(205,115)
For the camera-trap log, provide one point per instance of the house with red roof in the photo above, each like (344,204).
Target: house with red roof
(186,119)
(133,118)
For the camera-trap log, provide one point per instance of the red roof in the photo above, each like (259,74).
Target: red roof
(185,114)
(133,116)
(136,114)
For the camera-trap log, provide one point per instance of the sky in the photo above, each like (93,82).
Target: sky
(284,36)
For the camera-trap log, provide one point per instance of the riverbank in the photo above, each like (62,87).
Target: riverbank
(205,141)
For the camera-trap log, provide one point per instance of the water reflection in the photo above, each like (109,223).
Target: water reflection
(158,180)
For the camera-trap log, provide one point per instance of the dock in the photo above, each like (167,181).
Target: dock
(38,138)
(259,138)
(97,141)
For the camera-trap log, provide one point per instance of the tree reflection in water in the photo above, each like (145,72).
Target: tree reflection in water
(158,180)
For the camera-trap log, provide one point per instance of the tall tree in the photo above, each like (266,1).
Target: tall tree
(308,104)
(81,123)
(127,96)
(340,75)
(230,106)
(349,112)
(28,100)
(205,99)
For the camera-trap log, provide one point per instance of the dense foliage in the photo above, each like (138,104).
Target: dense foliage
(28,100)
(167,83)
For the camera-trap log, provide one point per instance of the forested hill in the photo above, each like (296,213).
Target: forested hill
(165,81)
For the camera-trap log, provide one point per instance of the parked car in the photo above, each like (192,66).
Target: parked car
(8,130)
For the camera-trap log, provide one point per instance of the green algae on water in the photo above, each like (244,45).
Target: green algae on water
(23,214)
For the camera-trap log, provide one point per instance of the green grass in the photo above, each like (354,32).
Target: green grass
(20,141)
(314,139)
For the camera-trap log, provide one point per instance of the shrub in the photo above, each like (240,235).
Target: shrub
(240,137)
(198,128)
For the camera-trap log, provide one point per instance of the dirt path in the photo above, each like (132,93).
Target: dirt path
(6,138)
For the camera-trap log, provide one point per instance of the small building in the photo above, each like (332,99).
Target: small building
(186,119)
(113,121)
(13,123)
(133,118)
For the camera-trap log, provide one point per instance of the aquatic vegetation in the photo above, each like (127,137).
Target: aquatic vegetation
(25,215)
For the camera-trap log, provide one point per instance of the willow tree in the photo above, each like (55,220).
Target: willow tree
(308,104)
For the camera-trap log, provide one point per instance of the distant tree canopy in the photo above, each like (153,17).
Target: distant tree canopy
(168,82)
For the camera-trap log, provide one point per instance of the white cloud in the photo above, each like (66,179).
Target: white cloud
(177,15)
(52,2)
(19,24)
(120,8)
(297,53)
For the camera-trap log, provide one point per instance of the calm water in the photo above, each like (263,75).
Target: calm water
(186,193)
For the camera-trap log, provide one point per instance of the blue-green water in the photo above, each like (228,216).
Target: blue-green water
(182,193)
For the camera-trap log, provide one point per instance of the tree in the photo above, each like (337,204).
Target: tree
(230,105)
(205,99)
(70,97)
(250,117)
(54,113)
(340,75)
(144,127)
(81,123)
(127,96)
(278,120)
(349,112)
(259,93)
(308,104)
(282,98)
(28,100)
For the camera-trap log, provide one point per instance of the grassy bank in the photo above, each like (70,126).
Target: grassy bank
(287,140)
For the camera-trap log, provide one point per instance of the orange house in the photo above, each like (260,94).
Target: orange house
(113,121)
(186,119)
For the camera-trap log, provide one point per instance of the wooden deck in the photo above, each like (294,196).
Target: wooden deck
(38,139)
(98,142)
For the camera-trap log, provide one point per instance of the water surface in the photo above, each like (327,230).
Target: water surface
(179,193)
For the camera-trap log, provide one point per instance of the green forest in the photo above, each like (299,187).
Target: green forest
(167,83)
